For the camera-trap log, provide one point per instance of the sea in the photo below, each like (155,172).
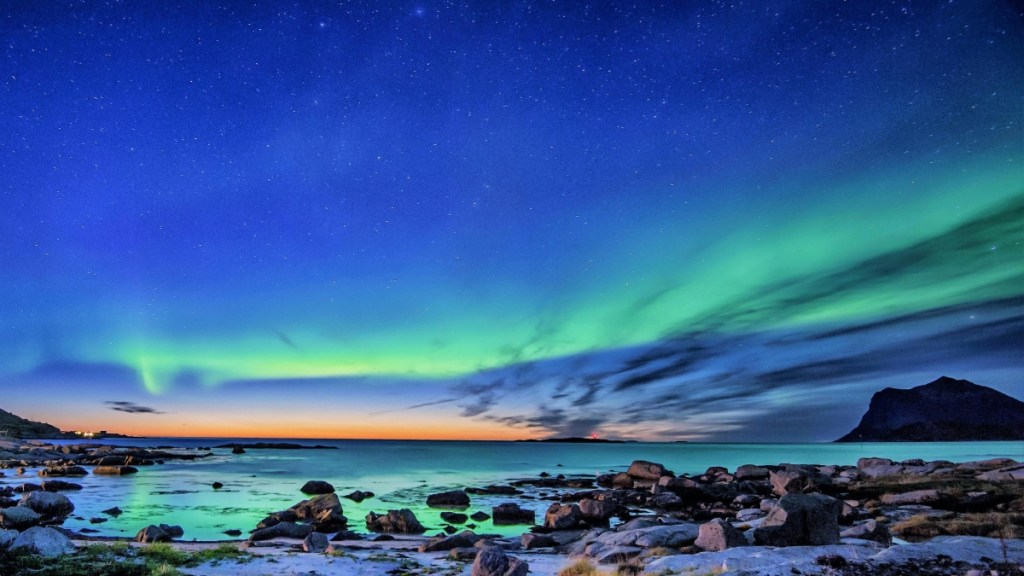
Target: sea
(402,474)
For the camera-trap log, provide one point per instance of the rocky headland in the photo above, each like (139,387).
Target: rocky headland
(945,410)
(875,517)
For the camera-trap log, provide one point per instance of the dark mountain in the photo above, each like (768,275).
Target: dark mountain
(941,411)
(18,427)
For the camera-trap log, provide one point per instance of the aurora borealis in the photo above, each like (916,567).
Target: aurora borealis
(506,220)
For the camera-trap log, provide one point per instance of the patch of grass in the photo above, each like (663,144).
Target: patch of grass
(632,567)
(222,552)
(581,567)
(94,561)
(163,553)
(990,524)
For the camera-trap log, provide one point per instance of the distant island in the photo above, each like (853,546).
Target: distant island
(945,410)
(577,440)
(14,426)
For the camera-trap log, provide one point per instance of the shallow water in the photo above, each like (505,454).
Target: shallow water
(403,473)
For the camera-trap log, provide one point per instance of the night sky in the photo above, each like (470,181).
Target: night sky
(428,219)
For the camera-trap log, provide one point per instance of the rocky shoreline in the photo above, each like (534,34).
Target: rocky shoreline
(878,517)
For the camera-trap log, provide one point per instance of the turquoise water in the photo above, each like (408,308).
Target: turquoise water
(403,473)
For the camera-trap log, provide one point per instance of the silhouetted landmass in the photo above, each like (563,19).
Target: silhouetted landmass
(579,440)
(275,446)
(18,427)
(942,411)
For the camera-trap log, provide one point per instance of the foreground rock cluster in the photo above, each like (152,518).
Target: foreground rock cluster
(758,518)
(798,516)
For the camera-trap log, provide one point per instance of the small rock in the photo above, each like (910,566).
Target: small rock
(454,517)
(481,516)
(151,534)
(315,542)
(562,516)
(718,534)
(238,450)
(492,561)
(531,541)
(115,511)
(281,530)
(217,485)
(359,495)
(233,532)
(511,513)
(315,487)
(398,521)
(115,470)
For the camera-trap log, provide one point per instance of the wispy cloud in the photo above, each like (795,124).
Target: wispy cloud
(131,407)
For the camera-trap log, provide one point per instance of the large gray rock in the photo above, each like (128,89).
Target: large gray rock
(530,541)
(597,511)
(463,539)
(562,516)
(492,561)
(323,511)
(396,521)
(48,504)
(799,520)
(18,517)
(43,541)
(6,537)
(718,535)
(281,530)
(645,470)
(450,499)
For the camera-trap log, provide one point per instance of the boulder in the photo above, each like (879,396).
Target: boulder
(173,531)
(18,517)
(397,521)
(480,516)
(281,530)
(530,541)
(597,511)
(751,472)
(463,539)
(796,480)
(878,467)
(645,470)
(454,517)
(43,541)
(6,537)
(463,554)
(315,542)
(115,511)
(511,513)
(323,511)
(48,504)
(562,516)
(492,561)
(913,497)
(59,486)
(450,499)
(801,520)
(346,535)
(63,471)
(317,487)
(151,534)
(115,470)
(238,450)
(868,530)
(718,534)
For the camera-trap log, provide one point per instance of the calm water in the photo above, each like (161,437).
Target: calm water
(403,473)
